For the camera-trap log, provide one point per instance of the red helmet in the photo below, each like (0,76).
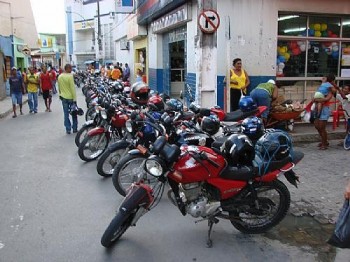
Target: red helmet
(139,93)
(157,101)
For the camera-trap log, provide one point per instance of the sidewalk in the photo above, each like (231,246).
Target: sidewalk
(6,105)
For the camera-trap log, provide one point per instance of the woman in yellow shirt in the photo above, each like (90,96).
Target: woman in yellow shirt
(239,81)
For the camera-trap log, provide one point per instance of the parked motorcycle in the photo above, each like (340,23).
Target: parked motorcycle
(236,182)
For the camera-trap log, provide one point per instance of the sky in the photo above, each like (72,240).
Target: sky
(49,16)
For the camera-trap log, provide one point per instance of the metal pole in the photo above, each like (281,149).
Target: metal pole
(99,27)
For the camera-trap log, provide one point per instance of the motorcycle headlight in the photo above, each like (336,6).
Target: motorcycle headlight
(154,167)
(128,126)
(103,114)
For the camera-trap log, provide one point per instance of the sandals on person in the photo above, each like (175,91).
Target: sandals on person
(320,144)
(323,148)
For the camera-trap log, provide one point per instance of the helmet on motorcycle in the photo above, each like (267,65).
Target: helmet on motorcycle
(239,150)
(274,145)
(247,104)
(253,127)
(139,93)
(210,124)
(157,101)
(173,105)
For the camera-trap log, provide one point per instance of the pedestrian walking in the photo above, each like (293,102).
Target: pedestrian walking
(68,96)
(126,74)
(33,88)
(46,88)
(16,90)
(53,76)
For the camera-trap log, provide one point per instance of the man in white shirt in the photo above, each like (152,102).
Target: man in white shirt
(344,97)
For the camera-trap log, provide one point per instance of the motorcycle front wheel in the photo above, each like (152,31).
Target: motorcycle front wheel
(127,171)
(90,113)
(273,201)
(92,147)
(81,134)
(120,223)
(108,160)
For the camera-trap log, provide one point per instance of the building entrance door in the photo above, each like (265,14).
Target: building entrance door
(177,67)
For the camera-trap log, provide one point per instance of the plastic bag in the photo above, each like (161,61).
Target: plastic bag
(341,234)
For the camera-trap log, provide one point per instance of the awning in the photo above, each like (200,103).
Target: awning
(89,62)
(108,62)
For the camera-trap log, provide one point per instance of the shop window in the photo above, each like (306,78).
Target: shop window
(291,58)
(321,26)
(291,25)
(346,28)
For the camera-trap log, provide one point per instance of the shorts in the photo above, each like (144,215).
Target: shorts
(47,94)
(318,95)
(325,113)
(16,98)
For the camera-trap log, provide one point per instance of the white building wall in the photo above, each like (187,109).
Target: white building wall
(120,33)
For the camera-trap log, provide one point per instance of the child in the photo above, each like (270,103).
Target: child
(322,92)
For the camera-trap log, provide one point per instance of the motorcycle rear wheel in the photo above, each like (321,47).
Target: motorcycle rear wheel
(120,223)
(81,134)
(108,160)
(270,212)
(127,171)
(88,150)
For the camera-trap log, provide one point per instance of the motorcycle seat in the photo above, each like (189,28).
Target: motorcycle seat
(243,173)
(238,115)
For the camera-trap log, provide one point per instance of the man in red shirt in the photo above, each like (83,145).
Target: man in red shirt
(46,87)
(53,76)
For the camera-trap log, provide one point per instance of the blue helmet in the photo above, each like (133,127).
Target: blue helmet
(253,127)
(173,105)
(247,104)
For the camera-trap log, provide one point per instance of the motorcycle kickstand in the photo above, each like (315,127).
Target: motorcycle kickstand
(211,222)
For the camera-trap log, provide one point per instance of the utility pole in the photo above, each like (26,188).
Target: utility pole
(99,40)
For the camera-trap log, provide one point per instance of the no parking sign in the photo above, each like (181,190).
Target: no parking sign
(208,21)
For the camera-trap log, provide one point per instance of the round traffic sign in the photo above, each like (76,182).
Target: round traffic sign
(208,21)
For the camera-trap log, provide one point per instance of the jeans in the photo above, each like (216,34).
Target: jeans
(262,98)
(16,98)
(33,101)
(66,104)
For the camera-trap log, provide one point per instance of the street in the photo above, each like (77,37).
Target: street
(55,207)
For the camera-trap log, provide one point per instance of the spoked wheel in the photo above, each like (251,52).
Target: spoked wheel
(90,114)
(92,147)
(129,170)
(108,160)
(79,137)
(273,204)
(120,223)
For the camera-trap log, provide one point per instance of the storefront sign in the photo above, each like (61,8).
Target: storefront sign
(208,21)
(171,20)
(83,25)
(124,6)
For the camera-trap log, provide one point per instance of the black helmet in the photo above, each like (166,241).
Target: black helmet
(139,93)
(75,110)
(247,104)
(253,127)
(173,105)
(210,124)
(239,150)
(274,145)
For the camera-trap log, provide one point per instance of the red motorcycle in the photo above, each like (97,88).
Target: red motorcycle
(233,181)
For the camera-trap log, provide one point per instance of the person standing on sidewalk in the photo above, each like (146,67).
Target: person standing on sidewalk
(33,83)
(46,88)
(68,96)
(53,76)
(16,90)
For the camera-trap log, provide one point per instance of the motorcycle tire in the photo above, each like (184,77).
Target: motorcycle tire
(81,134)
(119,224)
(347,141)
(108,160)
(89,153)
(120,172)
(246,226)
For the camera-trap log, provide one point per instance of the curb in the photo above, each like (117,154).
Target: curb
(6,113)
(314,137)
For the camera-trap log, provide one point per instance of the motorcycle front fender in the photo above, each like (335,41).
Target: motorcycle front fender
(135,152)
(121,144)
(138,195)
(96,131)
